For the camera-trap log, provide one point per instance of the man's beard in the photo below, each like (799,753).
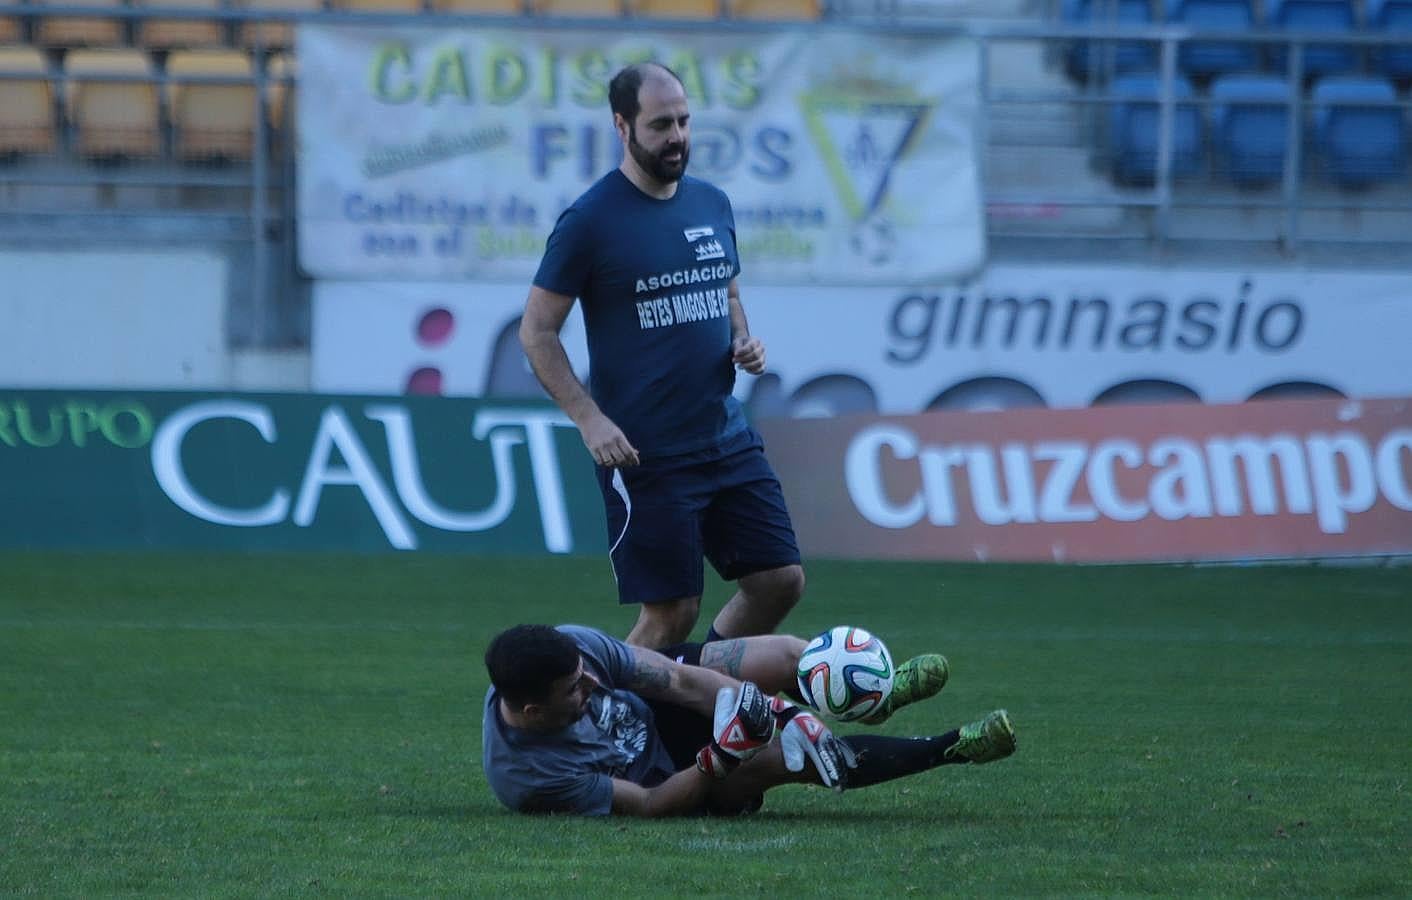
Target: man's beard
(653,164)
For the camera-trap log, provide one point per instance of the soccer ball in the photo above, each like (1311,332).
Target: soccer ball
(845,673)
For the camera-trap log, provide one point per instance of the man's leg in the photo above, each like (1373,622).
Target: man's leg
(768,660)
(761,603)
(879,759)
(661,624)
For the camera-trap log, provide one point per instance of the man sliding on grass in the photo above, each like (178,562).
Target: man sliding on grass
(577,721)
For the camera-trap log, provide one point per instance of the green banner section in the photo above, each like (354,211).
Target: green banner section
(105,469)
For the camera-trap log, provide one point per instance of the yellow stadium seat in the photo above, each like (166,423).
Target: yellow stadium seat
(9,30)
(677,9)
(78,31)
(489,7)
(26,104)
(112,103)
(272,35)
(381,6)
(168,33)
(792,10)
(211,121)
(585,8)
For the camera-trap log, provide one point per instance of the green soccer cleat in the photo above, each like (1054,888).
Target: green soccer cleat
(917,679)
(985,741)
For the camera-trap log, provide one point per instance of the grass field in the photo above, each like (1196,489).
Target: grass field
(248,726)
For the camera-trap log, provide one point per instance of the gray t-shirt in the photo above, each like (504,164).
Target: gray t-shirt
(573,770)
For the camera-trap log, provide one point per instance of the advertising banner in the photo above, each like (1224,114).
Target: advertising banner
(1017,336)
(1292,478)
(289,472)
(446,153)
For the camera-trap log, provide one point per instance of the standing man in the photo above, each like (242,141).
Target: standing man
(651,254)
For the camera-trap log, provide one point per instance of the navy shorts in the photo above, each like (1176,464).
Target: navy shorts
(683,731)
(666,516)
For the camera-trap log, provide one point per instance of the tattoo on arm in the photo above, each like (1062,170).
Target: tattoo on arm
(724,656)
(652,676)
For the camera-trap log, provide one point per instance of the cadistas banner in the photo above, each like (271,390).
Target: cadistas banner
(1273,479)
(450,152)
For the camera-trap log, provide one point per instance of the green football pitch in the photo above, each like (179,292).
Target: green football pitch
(288,725)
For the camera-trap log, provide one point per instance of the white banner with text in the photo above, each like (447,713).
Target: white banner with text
(440,153)
(1018,336)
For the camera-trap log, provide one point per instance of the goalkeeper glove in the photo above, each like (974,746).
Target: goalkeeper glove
(743,725)
(803,735)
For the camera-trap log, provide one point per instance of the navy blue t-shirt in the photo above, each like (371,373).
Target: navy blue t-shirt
(652,277)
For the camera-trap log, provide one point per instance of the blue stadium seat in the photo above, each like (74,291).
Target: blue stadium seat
(1214,57)
(1359,142)
(1087,58)
(1134,127)
(1394,16)
(1332,16)
(1250,126)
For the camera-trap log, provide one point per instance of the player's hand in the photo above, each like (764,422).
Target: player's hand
(803,735)
(743,725)
(607,443)
(748,353)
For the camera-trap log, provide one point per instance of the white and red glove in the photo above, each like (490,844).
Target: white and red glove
(804,735)
(744,725)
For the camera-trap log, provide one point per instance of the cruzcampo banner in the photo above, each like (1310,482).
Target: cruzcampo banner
(293,472)
(450,152)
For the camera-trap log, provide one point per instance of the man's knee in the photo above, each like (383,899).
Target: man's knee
(781,588)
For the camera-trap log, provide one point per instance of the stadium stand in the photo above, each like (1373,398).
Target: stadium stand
(1250,127)
(1360,132)
(26,104)
(113,104)
(267,34)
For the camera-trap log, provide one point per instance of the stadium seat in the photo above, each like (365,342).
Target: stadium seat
(1393,16)
(1085,59)
(378,6)
(1214,57)
(1250,126)
(488,7)
(211,121)
(1134,129)
(78,31)
(587,8)
(162,34)
(271,35)
(112,103)
(1359,141)
(677,9)
(26,104)
(1332,16)
(776,10)
(10,30)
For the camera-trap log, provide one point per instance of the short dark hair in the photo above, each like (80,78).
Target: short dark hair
(526,660)
(624,88)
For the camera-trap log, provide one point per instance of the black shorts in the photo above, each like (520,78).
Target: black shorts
(683,731)
(666,516)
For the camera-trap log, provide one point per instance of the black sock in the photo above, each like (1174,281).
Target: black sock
(883,758)
(713,635)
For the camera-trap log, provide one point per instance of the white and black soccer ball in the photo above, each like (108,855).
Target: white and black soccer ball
(845,673)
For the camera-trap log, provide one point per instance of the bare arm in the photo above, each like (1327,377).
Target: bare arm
(683,793)
(747,352)
(657,677)
(545,312)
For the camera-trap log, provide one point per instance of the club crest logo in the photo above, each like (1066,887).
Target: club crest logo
(705,249)
(862,127)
